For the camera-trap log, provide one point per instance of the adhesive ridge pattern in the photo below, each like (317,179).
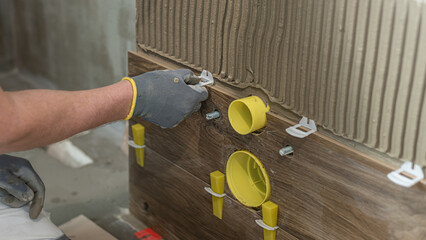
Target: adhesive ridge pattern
(357,67)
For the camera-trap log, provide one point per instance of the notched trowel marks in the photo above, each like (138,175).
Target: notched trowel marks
(352,66)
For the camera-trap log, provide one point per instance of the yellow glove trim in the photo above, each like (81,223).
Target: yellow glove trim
(135,93)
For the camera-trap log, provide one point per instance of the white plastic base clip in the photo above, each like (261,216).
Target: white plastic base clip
(134,145)
(264,226)
(209,190)
(206,78)
(293,131)
(398,178)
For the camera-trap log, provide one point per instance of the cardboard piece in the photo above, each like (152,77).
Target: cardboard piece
(82,228)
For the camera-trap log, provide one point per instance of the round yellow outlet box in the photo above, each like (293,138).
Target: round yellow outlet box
(247,179)
(248,114)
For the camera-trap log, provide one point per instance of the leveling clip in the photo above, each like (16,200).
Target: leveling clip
(206,78)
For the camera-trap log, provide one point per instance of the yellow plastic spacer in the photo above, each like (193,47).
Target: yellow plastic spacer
(139,138)
(247,179)
(248,114)
(217,181)
(270,214)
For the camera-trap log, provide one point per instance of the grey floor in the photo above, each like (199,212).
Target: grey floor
(99,190)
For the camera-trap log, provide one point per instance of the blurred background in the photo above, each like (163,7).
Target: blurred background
(73,45)
(67,44)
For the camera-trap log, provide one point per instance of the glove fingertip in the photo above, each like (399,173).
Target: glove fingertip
(35,208)
(28,195)
(202,92)
(191,80)
(196,108)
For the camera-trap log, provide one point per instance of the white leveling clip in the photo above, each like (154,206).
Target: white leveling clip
(397,177)
(209,190)
(134,145)
(264,226)
(206,78)
(293,131)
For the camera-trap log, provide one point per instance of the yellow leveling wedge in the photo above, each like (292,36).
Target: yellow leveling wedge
(270,214)
(217,181)
(139,138)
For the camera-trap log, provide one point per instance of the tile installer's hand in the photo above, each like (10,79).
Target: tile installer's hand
(20,184)
(166,97)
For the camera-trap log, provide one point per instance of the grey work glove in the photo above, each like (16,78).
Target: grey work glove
(20,184)
(166,97)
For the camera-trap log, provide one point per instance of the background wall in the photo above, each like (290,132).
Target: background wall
(7,56)
(74,44)
(357,67)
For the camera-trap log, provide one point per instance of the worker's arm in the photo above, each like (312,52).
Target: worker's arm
(36,118)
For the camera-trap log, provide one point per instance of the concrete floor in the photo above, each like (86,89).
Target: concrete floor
(99,190)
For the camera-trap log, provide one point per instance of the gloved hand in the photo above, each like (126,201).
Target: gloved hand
(166,97)
(20,184)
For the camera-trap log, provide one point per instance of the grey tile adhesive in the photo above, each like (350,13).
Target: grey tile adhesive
(357,67)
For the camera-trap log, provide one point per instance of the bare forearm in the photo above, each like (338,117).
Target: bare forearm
(39,117)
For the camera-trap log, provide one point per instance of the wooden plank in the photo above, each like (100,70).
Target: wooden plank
(174,203)
(137,64)
(324,191)
(151,62)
